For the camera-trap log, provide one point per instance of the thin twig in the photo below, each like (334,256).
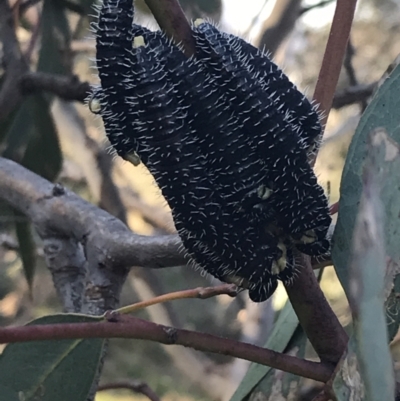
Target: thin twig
(172,20)
(353,94)
(348,64)
(137,386)
(333,57)
(333,209)
(132,327)
(351,72)
(201,293)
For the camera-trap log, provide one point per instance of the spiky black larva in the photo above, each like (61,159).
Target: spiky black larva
(113,45)
(211,231)
(295,187)
(298,110)
(175,183)
(149,97)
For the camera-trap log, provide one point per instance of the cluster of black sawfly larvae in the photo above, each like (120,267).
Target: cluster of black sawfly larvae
(226,136)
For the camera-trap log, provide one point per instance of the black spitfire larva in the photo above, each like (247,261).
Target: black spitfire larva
(225,135)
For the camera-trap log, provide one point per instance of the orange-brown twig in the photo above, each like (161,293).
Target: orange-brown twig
(132,327)
(334,56)
(200,292)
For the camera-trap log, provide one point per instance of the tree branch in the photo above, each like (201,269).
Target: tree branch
(67,88)
(321,325)
(104,237)
(132,327)
(67,264)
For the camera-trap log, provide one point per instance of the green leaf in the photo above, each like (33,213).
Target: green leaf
(368,270)
(278,385)
(43,154)
(383,111)
(27,247)
(8,394)
(56,36)
(19,132)
(282,333)
(32,139)
(61,370)
(369,360)
(5,124)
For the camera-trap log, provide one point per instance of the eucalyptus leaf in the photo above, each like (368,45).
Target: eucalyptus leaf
(369,358)
(368,271)
(279,385)
(54,54)
(43,153)
(27,248)
(8,394)
(383,111)
(61,370)
(18,132)
(32,140)
(283,331)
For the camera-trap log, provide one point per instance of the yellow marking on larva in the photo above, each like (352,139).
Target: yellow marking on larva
(275,268)
(133,158)
(138,41)
(280,264)
(264,192)
(198,22)
(282,261)
(309,237)
(94,105)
